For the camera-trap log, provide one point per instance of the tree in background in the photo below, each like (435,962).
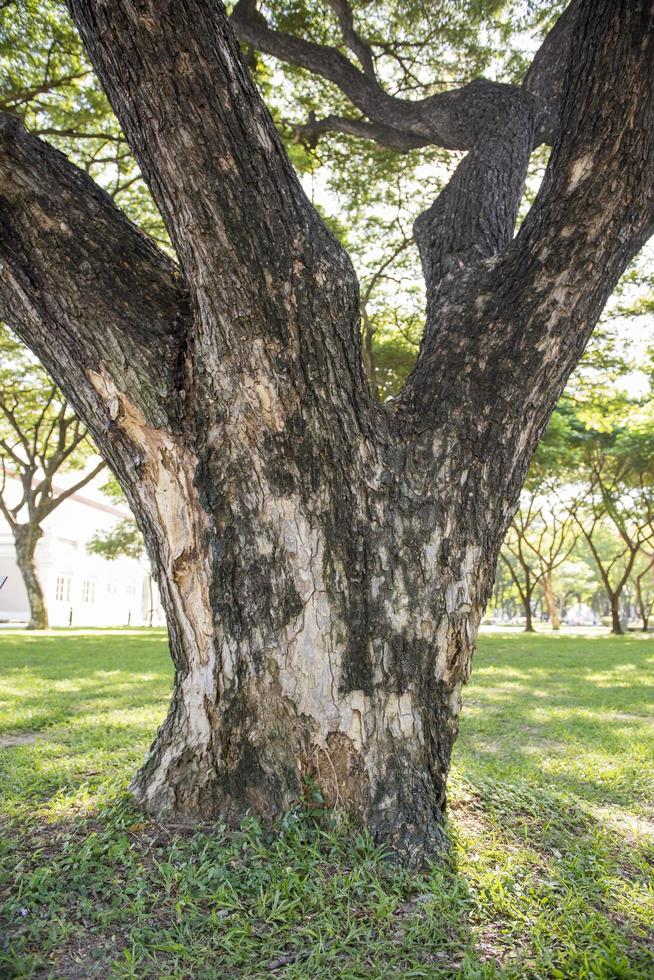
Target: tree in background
(644,587)
(540,537)
(324,560)
(539,540)
(40,438)
(614,517)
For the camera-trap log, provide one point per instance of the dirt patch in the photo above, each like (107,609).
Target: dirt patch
(8,741)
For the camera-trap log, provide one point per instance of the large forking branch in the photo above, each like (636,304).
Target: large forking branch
(248,239)
(253,249)
(505,334)
(474,218)
(83,287)
(576,226)
(453,119)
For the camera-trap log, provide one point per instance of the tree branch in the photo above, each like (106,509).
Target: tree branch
(545,76)
(58,498)
(254,251)
(503,335)
(310,132)
(453,120)
(352,40)
(80,284)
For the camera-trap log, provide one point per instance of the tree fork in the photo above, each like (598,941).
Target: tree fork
(323,560)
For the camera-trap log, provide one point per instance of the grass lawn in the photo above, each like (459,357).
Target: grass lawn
(551,819)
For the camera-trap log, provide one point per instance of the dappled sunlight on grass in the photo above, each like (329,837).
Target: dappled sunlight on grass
(550,873)
(560,766)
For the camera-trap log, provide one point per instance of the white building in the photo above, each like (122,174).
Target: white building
(80,589)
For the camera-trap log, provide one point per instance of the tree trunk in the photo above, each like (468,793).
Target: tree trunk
(26,539)
(526,596)
(616,625)
(526,603)
(307,643)
(550,601)
(323,560)
(644,607)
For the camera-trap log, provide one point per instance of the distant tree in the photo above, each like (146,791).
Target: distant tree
(635,445)
(614,518)
(643,580)
(540,537)
(538,541)
(40,437)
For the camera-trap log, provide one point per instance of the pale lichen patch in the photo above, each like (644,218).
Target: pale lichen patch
(580,169)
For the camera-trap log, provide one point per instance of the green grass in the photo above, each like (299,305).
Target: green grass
(552,824)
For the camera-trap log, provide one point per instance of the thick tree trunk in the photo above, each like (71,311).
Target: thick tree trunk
(307,643)
(323,560)
(26,539)
(550,601)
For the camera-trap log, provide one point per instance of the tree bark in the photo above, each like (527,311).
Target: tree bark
(529,625)
(323,560)
(616,623)
(550,601)
(26,539)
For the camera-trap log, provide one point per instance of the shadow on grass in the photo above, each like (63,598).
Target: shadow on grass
(536,884)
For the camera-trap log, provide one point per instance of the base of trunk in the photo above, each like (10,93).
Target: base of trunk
(271,760)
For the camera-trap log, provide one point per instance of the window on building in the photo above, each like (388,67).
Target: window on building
(130,588)
(62,589)
(88,590)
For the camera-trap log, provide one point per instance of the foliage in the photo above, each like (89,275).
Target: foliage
(34,416)
(46,80)
(124,540)
(548,876)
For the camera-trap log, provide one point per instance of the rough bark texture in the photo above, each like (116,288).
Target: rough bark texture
(324,560)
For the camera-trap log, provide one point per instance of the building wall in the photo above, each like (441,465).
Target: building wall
(80,589)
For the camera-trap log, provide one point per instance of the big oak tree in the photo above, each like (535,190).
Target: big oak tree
(324,559)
